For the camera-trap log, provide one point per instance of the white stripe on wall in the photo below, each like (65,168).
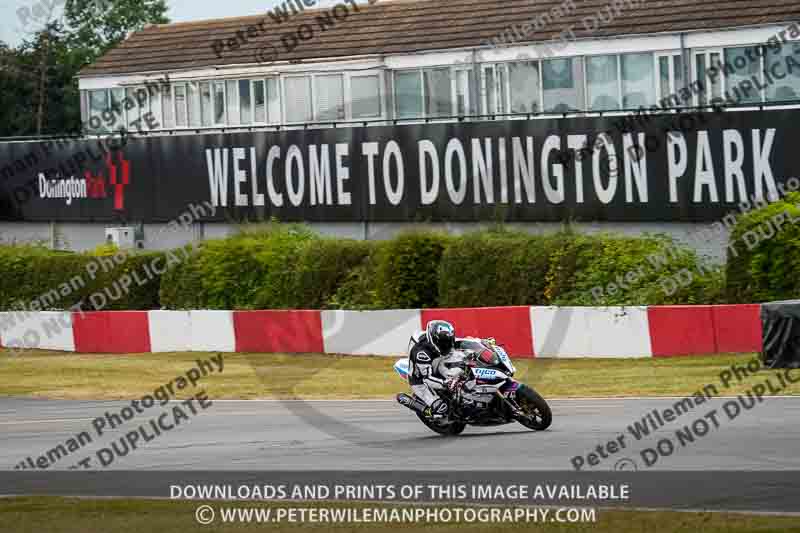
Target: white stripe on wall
(212,331)
(383,332)
(46,330)
(170,331)
(591,332)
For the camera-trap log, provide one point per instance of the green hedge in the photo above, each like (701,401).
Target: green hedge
(615,270)
(271,267)
(322,267)
(182,284)
(407,270)
(764,253)
(496,268)
(60,280)
(277,266)
(359,287)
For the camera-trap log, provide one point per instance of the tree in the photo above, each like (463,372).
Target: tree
(38,86)
(97,25)
(38,90)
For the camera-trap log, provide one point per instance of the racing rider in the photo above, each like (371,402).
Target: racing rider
(438,341)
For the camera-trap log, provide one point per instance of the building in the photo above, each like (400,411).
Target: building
(361,119)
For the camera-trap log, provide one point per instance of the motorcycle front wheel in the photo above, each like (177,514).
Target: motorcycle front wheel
(452,429)
(536,412)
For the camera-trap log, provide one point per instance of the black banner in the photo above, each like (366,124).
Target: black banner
(754,491)
(666,167)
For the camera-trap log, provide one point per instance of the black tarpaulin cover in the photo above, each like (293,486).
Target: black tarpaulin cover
(780,324)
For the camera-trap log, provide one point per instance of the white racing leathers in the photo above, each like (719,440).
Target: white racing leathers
(429,370)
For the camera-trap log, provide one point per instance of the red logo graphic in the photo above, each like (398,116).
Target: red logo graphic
(95,185)
(119,182)
(119,175)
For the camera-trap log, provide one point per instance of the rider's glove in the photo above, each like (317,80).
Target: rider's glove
(452,384)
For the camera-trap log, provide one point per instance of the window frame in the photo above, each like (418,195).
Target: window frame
(90,112)
(312,102)
(316,111)
(418,71)
(672,80)
(586,104)
(348,100)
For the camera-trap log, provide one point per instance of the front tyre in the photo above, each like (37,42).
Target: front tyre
(451,429)
(535,411)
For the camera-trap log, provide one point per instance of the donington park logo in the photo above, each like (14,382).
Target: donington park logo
(91,186)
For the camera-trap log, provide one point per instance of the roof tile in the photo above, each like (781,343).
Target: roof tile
(398,26)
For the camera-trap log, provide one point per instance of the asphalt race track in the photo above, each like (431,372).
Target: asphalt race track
(382,435)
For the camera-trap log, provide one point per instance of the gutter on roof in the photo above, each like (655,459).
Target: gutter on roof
(235,65)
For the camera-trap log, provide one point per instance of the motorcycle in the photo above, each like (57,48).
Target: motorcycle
(486,395)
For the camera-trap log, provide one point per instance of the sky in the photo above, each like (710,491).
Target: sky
(15,27)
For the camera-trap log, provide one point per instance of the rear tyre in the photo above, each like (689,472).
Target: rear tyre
(451,429)
(536,412)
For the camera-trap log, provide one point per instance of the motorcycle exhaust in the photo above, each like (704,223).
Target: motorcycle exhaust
(411,402)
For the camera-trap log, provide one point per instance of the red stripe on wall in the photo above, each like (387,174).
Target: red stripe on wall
(737,328)
(511,326)
(111,331)
(278,331)
(681,330)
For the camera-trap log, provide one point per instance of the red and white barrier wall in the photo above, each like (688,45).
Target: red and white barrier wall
(658,331)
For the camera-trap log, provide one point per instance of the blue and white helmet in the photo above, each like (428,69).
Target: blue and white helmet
(442,335)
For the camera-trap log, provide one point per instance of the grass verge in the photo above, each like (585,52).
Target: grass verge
(87,376)
(71,515)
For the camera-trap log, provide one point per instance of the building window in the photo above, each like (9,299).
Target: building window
(137,97)
(118,108)
(297,92)
(330,97)
(194,104)
(785,74)
(562,85)
(408,94)
(670,81)
(219,103)
(438,92)
(464,93)
(98,103)
(259,102)
(273,101)
(365,96)
(155,118)
(710,83)
(525,88)
(602,83)
(496,89)
(744,71)
(638,81)
(181,108)
(206,108)
(232,101)
(245,102)
(168,107)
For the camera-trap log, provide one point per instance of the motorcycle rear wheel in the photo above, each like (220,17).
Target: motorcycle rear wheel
(537,413)
(452,429)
